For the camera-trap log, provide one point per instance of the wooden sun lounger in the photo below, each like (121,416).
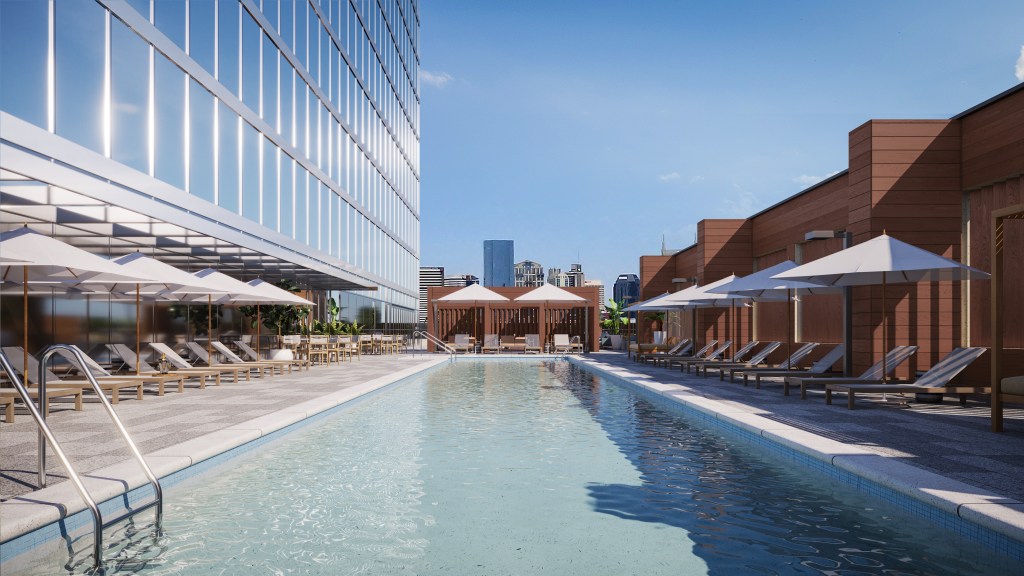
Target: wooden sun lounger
(114,387)
(532,344)
(491,344)
(712,357)
(248,351)
(894,358)
(701,354)
(680,349)
(755,360)
(713,360)
(130,360)
(202,356)
(8,396)
(101,374)
(237,360)
(934,381)
(179,363)
(781,369)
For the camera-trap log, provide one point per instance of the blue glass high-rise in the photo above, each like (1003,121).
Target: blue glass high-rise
(499,263)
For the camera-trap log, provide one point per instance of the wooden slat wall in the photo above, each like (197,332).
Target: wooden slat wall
(656,274)
(993,142)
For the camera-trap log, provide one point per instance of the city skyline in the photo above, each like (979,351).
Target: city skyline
(693,111)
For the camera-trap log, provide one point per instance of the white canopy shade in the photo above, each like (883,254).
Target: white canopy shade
(229,290)
(473,293)
(47,260)
(881,259)
(651,305)
(696,296)
(169,278)
(762,285)
(280,295)
(549,293)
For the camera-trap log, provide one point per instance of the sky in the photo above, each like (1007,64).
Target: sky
(589,131)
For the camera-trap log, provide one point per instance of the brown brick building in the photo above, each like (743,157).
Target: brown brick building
(932,183)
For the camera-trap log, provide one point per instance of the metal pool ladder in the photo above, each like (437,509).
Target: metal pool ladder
(437,342)
(46,436)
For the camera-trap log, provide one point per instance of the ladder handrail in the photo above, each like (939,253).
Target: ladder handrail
(44,429)
(436,341)
(159,497)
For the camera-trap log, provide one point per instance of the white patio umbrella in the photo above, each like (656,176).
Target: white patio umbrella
(37,258)
(547,293)
(881,260)
(761,286)
(270,295)
(228,290)
(171,280)
(472,294)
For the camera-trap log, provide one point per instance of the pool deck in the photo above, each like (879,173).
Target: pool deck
(178,430)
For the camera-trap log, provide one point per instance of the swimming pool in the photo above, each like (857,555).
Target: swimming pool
(519,467)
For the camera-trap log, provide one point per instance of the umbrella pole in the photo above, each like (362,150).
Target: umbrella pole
(258,322)
(885,350)
(789,329)
(209,328)
(138,330)
(24,350)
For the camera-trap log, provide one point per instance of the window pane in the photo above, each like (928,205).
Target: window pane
(325,218)
(301,183)
(80,61)
(287,29)
(201,33)
(287,202)
(201,139)
(250,62)
(287,98)
(170,123)
(300,117)
(270,11)
(270,160)
(227,46)
(270,83)
(23,56)
(250,172)
(228,158)
(169,18)
(129,97)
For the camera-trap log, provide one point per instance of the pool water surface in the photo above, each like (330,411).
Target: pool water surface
(518,467)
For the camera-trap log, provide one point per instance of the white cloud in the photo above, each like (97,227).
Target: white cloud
(743,205)
(807,180)
(1020,65)
(436,79)
(696,179)
(669,177)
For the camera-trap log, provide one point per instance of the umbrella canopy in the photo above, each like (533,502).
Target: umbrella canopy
(224,289)
(168,278)
(655,304)
(473,293)
(43,259)
(277,295)
(764,285)
(696,296)
(549,293)
(881,259)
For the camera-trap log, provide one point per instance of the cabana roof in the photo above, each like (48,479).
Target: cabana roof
(473,293)
(549,293)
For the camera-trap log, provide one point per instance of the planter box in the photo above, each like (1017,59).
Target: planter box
(280,354)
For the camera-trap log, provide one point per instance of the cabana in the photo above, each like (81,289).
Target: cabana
(514,312)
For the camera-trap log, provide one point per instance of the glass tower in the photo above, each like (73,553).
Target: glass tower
(283,131)
(498,263)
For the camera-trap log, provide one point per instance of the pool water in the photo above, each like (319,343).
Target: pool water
(511,467)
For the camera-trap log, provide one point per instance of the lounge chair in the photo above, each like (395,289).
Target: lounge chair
(755,360)
(203,356)
(101,373)
(461,344)
(893,359)
(685,364)
(9,395)
(249,352)
(237,360)
(130,360)
(491,344)
(181,364)
(738,357)
(788,367)
(935,381)
(114,387)
(532,344)
(681,348)
(668,359)
(564,345)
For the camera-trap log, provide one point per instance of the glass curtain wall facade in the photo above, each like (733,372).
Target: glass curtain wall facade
(499,256)
(301,117)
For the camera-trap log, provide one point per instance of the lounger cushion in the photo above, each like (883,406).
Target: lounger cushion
(1013,385)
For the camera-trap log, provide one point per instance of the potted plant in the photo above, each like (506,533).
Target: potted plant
(614,323)
(657,322)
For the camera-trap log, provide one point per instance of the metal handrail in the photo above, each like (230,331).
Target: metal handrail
(436,341)
(98,524)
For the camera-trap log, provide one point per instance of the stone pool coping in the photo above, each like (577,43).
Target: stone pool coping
(27,513)
(969,504)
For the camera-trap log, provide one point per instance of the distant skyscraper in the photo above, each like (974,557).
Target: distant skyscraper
(553,274)
(460,280)
(575,274)
(626,289)
(600,290)
(498,258)
(429,276)
(529,274)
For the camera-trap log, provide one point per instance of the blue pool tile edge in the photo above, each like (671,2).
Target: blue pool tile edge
(73,518)
(988,519)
